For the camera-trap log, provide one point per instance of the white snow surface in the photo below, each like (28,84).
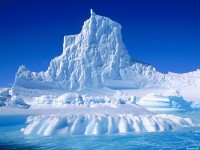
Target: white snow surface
(77,109)
(96,58)
(91,124)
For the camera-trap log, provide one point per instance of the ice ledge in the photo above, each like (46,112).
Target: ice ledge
(94,124)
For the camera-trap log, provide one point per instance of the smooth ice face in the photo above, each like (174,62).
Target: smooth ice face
(89,124)
(168,101)
(95,58)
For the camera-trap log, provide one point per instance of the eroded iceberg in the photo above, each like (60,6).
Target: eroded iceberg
(95,58)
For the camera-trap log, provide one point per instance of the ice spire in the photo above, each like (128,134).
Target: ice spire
(92,13)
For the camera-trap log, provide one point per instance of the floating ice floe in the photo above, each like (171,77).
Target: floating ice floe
(90,124)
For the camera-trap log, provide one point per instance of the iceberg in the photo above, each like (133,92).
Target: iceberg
(97,58)
(84,91)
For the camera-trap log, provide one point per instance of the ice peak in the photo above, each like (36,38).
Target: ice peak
(22,68)
(95,58)
(92,13)
(89,58)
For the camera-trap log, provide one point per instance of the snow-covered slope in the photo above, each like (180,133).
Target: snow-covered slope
(95,58)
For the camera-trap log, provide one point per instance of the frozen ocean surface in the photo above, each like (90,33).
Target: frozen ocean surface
(12,138)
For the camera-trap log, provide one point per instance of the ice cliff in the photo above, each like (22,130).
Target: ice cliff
(97,57)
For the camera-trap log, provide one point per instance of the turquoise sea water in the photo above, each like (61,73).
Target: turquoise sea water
(186,138)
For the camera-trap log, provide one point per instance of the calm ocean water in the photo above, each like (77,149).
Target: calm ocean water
(188,138)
